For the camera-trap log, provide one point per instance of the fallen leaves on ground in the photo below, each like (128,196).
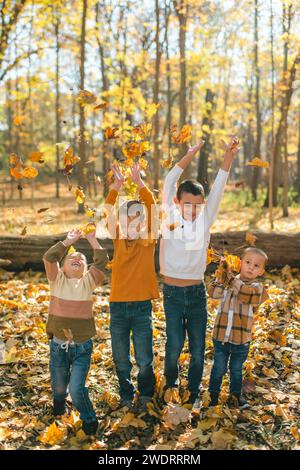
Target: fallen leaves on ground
(271,380)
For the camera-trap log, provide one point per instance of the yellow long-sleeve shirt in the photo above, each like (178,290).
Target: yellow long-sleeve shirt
(133,267)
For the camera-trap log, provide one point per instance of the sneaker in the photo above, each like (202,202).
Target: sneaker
(141,404)
(237,401)
(127,403)
(90,428)
(214,398)
(59,407)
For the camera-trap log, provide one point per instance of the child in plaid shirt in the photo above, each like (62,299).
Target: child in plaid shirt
(233,325)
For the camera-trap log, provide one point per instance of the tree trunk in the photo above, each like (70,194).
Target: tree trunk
(156,90)
(181,7)
(105,86)
(271,168)
(8,22)
(206,149)
(298,158)
(57,104)
(82,147)
(286,21)
(284,108)
(168,74)
(256,171)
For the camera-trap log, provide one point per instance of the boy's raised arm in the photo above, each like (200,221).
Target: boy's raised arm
(147,198)
(110,201)
(100,259)
(169,188)
(55,253)
(217,189)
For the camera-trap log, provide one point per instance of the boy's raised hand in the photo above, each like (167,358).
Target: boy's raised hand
(192,151)
(119,178)
(135,175)
(232,146)
(72,237)
(91,238)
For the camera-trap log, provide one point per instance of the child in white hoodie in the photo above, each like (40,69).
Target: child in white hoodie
(183,252)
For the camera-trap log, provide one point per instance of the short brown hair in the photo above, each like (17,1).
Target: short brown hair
(254,249)
(190,186)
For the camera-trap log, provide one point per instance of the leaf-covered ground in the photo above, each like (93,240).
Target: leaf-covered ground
(271,383)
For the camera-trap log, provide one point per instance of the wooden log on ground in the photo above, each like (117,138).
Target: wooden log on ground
(26,252)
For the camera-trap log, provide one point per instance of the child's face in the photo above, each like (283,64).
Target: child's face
(131,225)
(75,265)
(252,266)
(190,206)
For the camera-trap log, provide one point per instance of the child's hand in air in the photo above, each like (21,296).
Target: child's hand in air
(193,150)
(232,146)
(119,178)
(72,237)
(135,175)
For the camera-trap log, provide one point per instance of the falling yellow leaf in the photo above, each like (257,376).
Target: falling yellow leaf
(85,97)
(36,157)
(258,162)
(29,172)
(250,238)
(79,195)
(151,110)
(18,120)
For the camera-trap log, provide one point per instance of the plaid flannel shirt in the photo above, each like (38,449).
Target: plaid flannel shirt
(239,302)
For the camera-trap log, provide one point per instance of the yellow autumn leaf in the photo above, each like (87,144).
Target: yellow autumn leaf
(258,162)
(30,172)
(36,157)
(151,110)
(88,228)
(79,195)
(85,97)
(172,396)
(269,372)
(18,120)
(52,435)
(207,423)
(250,238)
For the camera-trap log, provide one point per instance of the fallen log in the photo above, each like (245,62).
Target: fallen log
(26,252)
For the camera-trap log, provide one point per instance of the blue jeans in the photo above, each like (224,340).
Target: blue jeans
(134,318)
(186,313)
(234,356)
(68,370)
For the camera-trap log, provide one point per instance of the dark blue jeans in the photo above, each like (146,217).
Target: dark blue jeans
(134,318)
(68,370)
(186,313)
(234,356)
